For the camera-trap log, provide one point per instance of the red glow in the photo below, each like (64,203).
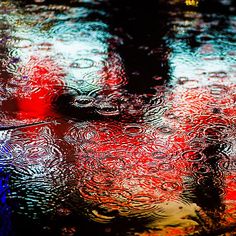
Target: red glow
(43,79)
(122,160)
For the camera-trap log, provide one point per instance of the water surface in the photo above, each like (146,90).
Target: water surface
(117,118)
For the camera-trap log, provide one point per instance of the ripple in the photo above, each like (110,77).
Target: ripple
(228,165)
(154,115)
(128,164)
(165,166)
(157,151)
(82,63)
(91,78)
(67,230)
(64,32)
(159,155)
(105,212)
(44,46)
(203,182)
(218,90)
(13,65)
(40,176)
(72,30)
(111,162)
(133,129)
(6,155)
(87,193)
(165,129)
(193,155)
(102,178)
(201,168)
(83,101)
(114,81)
(218,75)
(20,43)
(114,74)
(88,133)
(216,132)
(117,197)
(107,109)
(123,155)
(170,186)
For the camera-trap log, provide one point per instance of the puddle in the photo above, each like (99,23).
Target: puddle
(117,118)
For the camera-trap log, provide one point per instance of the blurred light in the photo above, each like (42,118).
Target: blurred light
(192,2)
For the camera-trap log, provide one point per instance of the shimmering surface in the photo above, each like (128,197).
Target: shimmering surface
(117,118)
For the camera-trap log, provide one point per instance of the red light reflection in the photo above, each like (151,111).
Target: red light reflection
(44,78)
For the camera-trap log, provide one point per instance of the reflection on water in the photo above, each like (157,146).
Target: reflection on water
(117,118)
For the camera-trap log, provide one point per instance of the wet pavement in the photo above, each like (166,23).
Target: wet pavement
(117,117)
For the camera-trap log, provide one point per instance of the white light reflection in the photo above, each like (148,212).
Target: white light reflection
(213,56)
(64,42)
